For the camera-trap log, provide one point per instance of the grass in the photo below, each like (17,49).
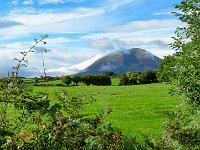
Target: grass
(135,109)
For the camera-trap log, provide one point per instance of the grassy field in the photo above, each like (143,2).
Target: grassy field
(135,109)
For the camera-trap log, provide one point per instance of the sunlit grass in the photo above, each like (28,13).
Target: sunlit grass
(135,109)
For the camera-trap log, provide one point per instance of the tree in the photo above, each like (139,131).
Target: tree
(76,79)
(146,77)
(109,73)
(124,81)
(187,46)
(132,74)
(164,72)
(133,81)
(182,130)
(67,80)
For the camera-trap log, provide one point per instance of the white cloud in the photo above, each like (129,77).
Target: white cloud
(28,2)
(78,20)
(163,13)
(152,35)
(58,1)
(101,44)
(114,4)
(46,18)
(85,64)
(66,55)
(59,60)
(14,2)
(58,40)
(73,69)
(147,25)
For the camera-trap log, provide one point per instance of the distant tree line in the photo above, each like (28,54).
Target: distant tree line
(88,79)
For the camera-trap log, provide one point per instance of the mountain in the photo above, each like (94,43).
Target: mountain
(134,60)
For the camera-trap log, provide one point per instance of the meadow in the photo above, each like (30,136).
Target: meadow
(136,110)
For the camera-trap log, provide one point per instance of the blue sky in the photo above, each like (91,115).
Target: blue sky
(82,31)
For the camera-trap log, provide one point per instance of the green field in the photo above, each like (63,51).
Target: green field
(135,109)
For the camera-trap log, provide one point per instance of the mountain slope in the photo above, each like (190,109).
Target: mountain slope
(120,62)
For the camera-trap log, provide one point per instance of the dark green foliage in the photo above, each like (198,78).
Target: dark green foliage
(36,80)
(164,72)
(110,74)
(133,81)
(87,79)
(98,80)
(187,45)
(76,80)
(132,74)
(134,78)
(183,128)
(146,77)
(124,80)
(67,80)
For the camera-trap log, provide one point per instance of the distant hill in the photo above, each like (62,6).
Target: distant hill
(135,60)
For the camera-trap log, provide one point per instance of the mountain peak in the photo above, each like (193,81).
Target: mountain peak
(134,59)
